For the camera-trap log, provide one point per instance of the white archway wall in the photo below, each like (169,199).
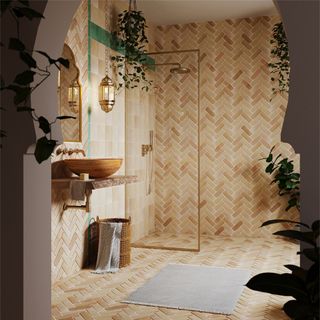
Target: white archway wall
(308,16)
(37,178)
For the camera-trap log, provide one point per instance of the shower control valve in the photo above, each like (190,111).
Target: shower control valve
(145,149)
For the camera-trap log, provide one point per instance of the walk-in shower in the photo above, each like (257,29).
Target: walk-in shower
(171,208)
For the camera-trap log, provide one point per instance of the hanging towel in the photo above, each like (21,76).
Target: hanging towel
(109,247)
(77,190)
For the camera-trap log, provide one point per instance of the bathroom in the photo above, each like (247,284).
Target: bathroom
(194,188)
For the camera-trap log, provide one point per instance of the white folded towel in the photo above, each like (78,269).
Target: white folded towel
(109,247)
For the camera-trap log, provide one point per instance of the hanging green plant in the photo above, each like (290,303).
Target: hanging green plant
(132,41)
(280,66)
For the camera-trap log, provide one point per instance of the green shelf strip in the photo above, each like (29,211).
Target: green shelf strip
(107,39)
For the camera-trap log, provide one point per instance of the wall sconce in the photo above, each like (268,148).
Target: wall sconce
(74,95)
(106,94)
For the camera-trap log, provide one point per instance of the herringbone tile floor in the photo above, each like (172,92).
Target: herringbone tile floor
(87,296)
(171,240)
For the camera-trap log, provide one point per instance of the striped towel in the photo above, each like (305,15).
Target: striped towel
(109,247)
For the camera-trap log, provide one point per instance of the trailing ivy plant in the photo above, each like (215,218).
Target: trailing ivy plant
(131,39)
(301,284)
(284,176)
(32,77)
(280,67)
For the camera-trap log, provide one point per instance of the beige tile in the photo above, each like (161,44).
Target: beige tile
(92,295)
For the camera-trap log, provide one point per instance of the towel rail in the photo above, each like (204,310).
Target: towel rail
(85,206)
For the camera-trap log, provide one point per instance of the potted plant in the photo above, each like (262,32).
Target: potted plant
(301,284)
(287,180)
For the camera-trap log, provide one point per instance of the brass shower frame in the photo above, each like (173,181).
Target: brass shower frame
(198,124)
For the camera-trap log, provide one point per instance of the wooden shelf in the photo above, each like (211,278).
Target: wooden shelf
(94,184)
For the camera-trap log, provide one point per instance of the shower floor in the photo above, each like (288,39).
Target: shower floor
(98,297)
(168,240)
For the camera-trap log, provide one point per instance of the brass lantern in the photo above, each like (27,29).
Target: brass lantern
(106,94)
(74,95)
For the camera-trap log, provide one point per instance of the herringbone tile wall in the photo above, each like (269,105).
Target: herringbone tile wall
(106,140)
(238,125)
(176,144)
(68,227)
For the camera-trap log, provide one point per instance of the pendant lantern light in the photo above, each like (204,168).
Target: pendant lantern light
(106,94)
(74,94)
(107,88)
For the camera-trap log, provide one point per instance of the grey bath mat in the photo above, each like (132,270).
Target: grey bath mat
(189,287)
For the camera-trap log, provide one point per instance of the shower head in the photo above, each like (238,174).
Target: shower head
(179,70)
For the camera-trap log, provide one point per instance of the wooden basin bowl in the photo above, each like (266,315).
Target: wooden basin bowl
(97,168)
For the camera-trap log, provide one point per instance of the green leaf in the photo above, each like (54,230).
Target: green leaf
(16,44)
(21,95)
(272,149)
(4,4)
(292,203)
(269,168)
(297,235)
(44,125)
(290,184)
(23,109)
(27,12)
(298,309)
(266,223)
(295,176)
(316,228)
(312,254)
(269,158)
(24,2)
(65,117)
(44,149)
(27,58)
(281,284)
(297,271)
(25,77)
(313,273)
(3,133)
(13,87)
(64,62)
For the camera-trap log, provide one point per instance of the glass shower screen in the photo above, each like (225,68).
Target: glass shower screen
(176,152)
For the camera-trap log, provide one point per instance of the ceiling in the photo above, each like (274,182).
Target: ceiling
(167,12)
